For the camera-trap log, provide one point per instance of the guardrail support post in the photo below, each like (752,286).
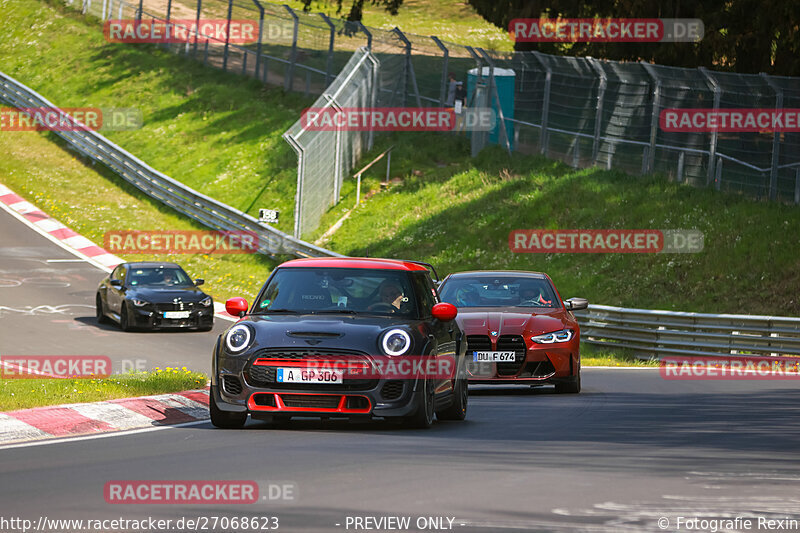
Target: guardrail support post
(712,149)
(288,81)
(543,137)
(649,164)
(445,61)
(776,140)
(718,174)
(598,116)
(679,176)
(797,186)
(331,42)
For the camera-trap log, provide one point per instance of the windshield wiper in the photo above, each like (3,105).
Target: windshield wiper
(334,311)
(275,311)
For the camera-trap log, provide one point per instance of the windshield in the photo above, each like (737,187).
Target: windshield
(159,277)
(514,291)
(339,290)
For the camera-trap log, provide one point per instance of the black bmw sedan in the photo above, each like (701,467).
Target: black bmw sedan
(149,295)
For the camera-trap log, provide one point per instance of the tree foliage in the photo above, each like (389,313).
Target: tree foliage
(746,36)
(356,9)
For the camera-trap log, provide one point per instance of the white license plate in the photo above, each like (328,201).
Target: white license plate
(493,357)
(303,375)
(176,314)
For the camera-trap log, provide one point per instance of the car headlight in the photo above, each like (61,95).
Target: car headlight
(562,335)
(138,303)
(206,302)
(396,342)
(238,338)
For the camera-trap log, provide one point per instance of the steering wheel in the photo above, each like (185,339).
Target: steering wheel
(382,306)
(531,303)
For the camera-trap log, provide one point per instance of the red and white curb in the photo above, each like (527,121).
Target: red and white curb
(68,239)
(102,417)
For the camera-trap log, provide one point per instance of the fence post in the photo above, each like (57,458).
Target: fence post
(197,25)
(797,186)
(651,153)
(260,35)
(679,176)
(543,140)
(598,116)
(444,89)
(375,87)
(408,69)
(712,150)
(368,34)
(288,81)
(227,37)
(494,93)
(718,174)
(300,178)
(105,5)
(337,150)
(776,140)
(331,41)
(138,11)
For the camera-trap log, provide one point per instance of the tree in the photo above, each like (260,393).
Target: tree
(357,6)
(746,36)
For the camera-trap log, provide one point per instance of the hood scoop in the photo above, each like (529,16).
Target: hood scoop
(313,334)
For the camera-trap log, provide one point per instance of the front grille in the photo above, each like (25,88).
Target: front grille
(509,343)
(231,385)
(180,306)
(478,343)
(313,401)
(264,376)
(392,390)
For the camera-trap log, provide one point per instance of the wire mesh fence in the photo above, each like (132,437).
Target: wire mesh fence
(583,111)
(325,157)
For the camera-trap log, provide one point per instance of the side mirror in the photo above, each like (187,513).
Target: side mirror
(236,306)
(199,281)
(116,283)
(575,304)
(444,311)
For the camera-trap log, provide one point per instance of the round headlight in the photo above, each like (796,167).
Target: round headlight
(396,342)
(238,338)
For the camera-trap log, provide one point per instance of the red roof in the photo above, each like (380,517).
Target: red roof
(353,262)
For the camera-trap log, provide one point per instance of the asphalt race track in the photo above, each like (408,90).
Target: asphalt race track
(47,308)
(630,449)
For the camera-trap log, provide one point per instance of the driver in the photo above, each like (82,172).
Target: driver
(390,293)
(530,294)
(169,277)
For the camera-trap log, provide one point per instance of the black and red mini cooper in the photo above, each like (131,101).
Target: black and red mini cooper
(341,337)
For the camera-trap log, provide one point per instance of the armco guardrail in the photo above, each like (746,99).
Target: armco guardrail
(673,333)
(157,185)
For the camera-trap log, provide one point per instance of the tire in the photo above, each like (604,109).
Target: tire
(458,409)
(423,417)
(573,386)
(224,419)
(100,310)
(124,322)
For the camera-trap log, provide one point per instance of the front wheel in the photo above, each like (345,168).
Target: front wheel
(423,417)
(224,419)
(573,386)
(458,409)
(124,322)
(100,310)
